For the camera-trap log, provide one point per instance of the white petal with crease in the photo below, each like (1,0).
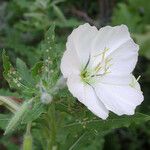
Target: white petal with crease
(119,99)
(82,38)
(124,58)
(110,37)
(86,95)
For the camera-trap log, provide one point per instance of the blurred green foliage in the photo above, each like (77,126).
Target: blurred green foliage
(22,27)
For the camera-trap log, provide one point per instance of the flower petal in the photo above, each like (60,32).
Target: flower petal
(124,58)
(86,95)
(111,38)
(119,99)
(81,38)
(70,63)
(116,79)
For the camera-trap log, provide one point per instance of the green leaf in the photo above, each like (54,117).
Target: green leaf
(4,119)
(48,48)
(16,119)
(49,42)
(34,113)
(24,72)
(10,73)
(59,13)
(114,122)
(6,63)
(97,128)
(7,92)
(18,79)
(36,70)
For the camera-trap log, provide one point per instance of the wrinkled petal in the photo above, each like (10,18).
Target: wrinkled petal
(86,95)
(111,38)
(119,99)
(81,40)
(124,59)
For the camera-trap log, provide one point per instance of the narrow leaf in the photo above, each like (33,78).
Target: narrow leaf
(16,119)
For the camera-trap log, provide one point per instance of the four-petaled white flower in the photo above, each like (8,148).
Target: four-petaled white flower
(98,65)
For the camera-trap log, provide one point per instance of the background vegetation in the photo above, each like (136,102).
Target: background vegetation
(23,24)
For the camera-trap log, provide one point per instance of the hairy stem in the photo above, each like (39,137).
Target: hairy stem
(9,103)
(27,142)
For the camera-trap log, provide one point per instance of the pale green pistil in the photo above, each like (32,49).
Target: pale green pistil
(85,75)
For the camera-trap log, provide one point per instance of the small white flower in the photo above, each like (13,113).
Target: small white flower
(98,65)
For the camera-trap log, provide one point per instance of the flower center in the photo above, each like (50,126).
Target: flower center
(85,75)
(93,73)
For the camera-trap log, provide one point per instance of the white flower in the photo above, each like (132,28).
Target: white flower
(98,65)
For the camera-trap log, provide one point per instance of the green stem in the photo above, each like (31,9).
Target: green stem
(27,142)
(9,103)
(28,128)
(52,125)
(77,141)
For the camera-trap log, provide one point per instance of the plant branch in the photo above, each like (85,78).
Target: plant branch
(83,15)
(9,103)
